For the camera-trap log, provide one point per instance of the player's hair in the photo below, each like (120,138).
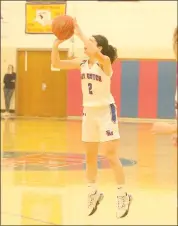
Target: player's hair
(107,50)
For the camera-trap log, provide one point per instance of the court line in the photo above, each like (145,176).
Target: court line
(19,161)
(29,218)
(79,118)
(51,166)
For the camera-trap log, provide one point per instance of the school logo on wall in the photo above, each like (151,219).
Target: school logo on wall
(39,15)
(52,161)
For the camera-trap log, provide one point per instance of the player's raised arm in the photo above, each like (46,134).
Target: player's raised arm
(103,59)
(104,53)
(62,64)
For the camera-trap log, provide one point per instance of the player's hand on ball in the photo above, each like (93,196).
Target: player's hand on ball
(57,42)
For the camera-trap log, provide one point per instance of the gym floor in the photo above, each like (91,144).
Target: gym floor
(43,175)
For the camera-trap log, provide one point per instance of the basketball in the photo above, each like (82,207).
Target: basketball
(63,27)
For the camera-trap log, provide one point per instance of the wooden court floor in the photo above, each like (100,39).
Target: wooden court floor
(43,175)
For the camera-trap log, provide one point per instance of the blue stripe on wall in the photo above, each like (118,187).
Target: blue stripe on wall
(166,89)
(129,89)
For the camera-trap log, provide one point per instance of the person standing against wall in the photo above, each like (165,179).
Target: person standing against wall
(9,88)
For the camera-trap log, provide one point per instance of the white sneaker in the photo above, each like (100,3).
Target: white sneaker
(123,205)
(94,200)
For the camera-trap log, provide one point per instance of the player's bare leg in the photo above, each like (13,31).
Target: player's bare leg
(94,196)
(110,149)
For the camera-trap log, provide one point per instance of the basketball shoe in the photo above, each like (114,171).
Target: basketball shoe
(94,200)
(123,204)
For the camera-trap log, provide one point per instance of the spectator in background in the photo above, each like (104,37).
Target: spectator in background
(9,87)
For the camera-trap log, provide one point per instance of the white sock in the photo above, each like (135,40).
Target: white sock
(120,189)
(92,188)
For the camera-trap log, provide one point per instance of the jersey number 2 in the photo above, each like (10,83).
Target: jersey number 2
(90,88)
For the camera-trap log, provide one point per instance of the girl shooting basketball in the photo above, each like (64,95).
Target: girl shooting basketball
(99,125)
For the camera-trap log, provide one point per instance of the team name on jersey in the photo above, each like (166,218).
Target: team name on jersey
(91,76)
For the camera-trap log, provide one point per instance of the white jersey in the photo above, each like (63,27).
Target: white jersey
(96,86)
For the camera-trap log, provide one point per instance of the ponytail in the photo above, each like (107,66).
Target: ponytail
(107,50)
(112,53)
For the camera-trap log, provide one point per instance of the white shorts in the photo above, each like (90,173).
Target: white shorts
(100,124)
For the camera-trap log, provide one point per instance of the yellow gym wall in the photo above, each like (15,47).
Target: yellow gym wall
(137,29)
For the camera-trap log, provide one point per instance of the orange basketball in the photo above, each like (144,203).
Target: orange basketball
(63,27)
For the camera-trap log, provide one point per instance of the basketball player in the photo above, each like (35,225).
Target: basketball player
(99,125)
(163,127)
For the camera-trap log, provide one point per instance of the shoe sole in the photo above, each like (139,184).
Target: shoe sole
(126,213)
(97,203)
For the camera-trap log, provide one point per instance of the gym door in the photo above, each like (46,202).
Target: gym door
(40,91)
